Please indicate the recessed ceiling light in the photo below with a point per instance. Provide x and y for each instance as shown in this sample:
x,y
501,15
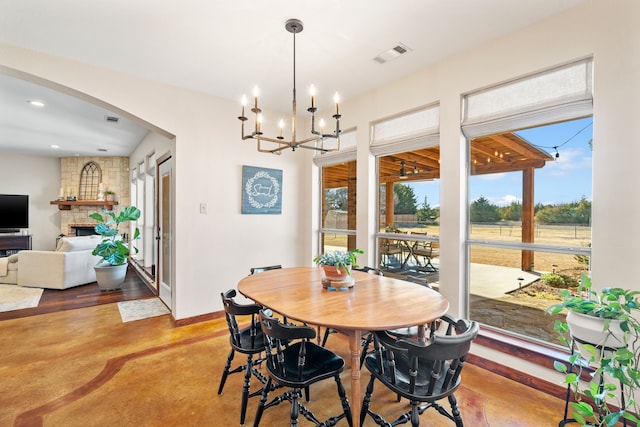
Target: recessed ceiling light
x,y
36,103
55,147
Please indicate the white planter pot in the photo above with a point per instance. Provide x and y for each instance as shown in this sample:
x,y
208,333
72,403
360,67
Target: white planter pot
x,y
110,277
590,329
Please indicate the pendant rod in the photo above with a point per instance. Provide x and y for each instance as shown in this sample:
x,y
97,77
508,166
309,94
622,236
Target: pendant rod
x,y
294,104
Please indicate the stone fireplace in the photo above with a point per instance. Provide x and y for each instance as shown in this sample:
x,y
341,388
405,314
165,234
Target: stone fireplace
x,y
82,229
75,221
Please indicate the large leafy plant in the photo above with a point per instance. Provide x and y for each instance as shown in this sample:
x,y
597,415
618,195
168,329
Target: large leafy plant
x,y
111,248
339,259
611,368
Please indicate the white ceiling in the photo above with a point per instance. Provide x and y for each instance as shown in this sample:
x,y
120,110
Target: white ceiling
x,y
224,48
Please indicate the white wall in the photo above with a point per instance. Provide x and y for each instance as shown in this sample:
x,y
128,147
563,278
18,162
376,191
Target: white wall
x,y
39,177
213,251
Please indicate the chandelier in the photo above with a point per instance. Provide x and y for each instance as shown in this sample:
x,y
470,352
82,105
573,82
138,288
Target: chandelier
x,y
313,142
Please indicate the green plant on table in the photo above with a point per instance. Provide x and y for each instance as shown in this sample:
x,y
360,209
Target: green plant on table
x,y
111,248
339,259
610,367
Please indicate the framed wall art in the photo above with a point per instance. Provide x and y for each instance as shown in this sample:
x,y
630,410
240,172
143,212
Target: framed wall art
x,y
261,190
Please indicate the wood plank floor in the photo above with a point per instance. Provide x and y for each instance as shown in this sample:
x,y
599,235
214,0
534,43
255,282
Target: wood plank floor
x,y
88,295
85,367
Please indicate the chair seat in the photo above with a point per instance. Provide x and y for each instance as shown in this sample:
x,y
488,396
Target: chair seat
x,y
249,344
320,363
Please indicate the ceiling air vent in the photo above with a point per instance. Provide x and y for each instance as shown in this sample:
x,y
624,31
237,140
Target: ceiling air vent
x,y
111,119
392,53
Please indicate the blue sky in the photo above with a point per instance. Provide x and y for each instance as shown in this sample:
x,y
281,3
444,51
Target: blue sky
x,y
564,180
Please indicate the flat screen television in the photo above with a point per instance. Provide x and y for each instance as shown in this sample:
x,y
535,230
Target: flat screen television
x,y
14,212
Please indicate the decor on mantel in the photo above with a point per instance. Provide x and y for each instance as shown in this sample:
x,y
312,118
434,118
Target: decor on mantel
x,y
315,142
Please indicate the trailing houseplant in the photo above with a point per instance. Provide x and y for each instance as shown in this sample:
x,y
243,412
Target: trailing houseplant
x,y
614,357
340,261
112,269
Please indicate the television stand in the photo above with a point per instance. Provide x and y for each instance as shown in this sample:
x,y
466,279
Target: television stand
x,y
13,244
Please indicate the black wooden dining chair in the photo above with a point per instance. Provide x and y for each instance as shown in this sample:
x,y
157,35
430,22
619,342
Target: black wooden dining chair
x,y
255,270
295,362
248,340
424,372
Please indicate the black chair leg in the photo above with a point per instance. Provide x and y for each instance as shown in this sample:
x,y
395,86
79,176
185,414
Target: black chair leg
x,y
246,388
367,400
263,402
345,402
225,372
326,336
455,411
295,408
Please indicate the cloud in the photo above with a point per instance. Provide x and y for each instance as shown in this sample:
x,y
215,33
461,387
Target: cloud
x,y
569,161
505,200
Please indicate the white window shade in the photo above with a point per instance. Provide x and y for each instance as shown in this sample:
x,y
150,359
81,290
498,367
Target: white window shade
x,y
561,93
347,152
412,125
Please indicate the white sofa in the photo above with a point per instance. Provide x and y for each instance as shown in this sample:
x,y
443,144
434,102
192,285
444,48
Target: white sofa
x,y
9,269
71,264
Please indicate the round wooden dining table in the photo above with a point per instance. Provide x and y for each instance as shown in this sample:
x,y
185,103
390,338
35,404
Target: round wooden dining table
x,y
374,303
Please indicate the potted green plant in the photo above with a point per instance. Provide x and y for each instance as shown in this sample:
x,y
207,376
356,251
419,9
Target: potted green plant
x,y
109,195
605,327
337,265
112,269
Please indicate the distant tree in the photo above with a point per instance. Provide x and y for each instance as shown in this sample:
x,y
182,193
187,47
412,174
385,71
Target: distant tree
x,y
555,214
513,212
583,211
336,198
404,200
483,211
426,214
566,213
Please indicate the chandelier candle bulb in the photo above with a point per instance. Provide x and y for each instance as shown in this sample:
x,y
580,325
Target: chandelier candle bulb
x,y
312,92
336,99
259,124
243,102
256,92
281,126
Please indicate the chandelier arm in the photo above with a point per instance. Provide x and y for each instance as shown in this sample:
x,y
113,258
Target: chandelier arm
x,y
323,150
267,150
274,140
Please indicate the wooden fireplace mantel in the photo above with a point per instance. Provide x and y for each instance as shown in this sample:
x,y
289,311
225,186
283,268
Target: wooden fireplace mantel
x,y
65,205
